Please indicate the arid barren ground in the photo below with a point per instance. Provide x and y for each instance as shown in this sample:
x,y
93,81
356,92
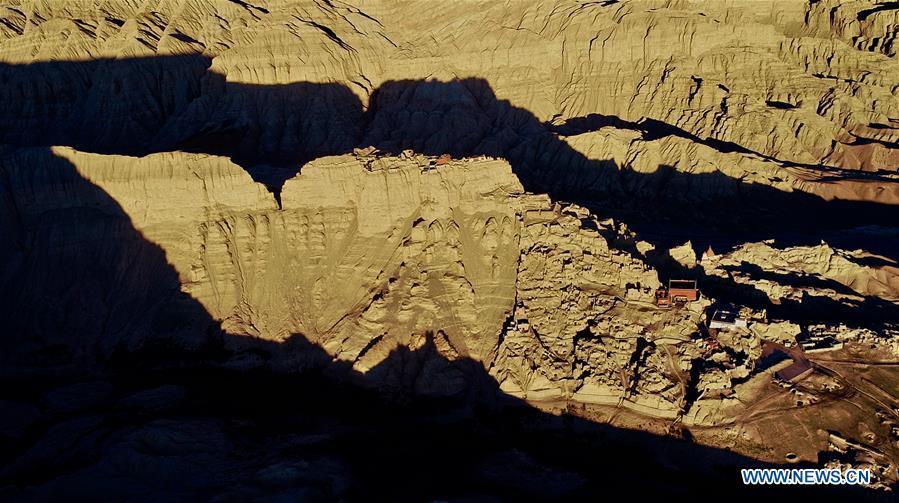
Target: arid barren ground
x,y
424,250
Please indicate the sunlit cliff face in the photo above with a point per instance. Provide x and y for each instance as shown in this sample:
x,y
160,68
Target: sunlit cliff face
x,y
465,198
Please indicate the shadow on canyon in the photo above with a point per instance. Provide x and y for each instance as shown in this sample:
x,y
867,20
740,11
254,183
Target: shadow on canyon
x,y
185,408
145,105
843,306
88,299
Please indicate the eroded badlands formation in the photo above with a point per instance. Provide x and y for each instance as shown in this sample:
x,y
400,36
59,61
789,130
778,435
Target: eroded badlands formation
x,y
264,186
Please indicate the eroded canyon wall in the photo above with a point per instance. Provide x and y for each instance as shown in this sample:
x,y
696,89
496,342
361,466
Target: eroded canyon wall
x,y
170,169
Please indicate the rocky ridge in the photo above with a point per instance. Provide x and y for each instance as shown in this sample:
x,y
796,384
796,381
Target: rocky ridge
x,y
266,182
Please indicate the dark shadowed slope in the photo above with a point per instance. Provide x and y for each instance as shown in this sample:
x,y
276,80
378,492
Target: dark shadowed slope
x,y
137,106
169,415
156,408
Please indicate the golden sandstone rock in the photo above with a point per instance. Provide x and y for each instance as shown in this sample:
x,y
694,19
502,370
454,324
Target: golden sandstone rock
x,y
504,184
